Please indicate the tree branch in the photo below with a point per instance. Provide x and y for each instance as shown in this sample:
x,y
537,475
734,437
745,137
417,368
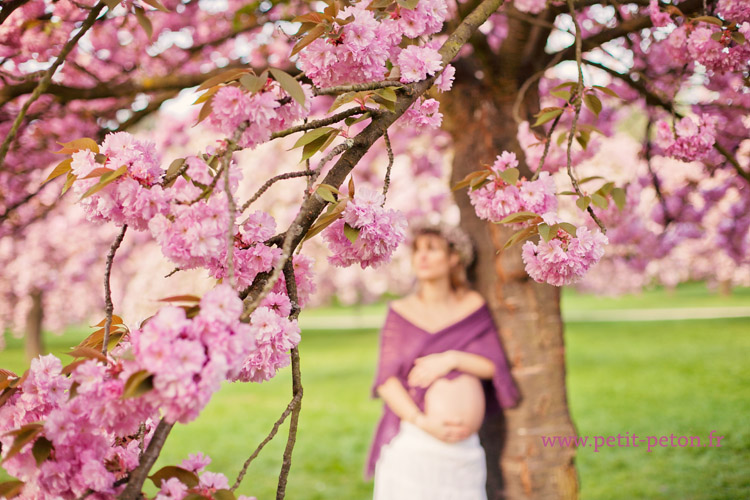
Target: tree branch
x,y
138,476
622,29
107,290
41,87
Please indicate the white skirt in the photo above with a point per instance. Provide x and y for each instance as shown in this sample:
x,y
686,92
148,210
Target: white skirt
x,y
417,466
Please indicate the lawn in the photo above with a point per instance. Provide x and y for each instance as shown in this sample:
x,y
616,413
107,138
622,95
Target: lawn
x,y
651,378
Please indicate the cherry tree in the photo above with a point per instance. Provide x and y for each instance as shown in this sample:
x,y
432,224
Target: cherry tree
x,y
528,92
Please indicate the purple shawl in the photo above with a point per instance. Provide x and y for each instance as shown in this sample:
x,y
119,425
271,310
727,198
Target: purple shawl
x,y
401,342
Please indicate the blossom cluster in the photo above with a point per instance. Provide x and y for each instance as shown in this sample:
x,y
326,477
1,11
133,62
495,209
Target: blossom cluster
x,y
564,258
90,430
274,335
357,52
530,6
134,197
688,44
380,231
737,11
691,140
265,112
190,357
209,483
497,199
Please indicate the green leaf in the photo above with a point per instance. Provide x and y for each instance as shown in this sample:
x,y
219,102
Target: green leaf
x,y
78,145
710,20
105,180
618,194
519,217
41,450
11,489
388,93
313,147
186,477
138,383
568,227
23,436
567,192
144,21
224,495
408,4
312,135
224,77
547,116
599,200
562,94
584,202
61,168
68,182
593,103
326,194
356,119
384,103
313,35
342,99
606,188
738,37
716,37
565,84
607,91
544,231
510,176
111,3
351,233
379,4
520,235
590,178
289,84
156,4
479,185
252,83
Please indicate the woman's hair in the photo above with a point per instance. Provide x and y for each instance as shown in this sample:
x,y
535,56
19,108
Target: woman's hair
x,y
458,242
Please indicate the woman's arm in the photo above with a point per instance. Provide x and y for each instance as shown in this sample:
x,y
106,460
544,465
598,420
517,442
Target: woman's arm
x,y
429,368
398,400
394,394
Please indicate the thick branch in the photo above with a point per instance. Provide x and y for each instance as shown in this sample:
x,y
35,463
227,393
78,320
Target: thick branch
x,y
8,8
622,29
138,476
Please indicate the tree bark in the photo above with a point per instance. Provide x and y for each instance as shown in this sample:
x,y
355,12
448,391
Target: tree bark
x,y
527,314
34,341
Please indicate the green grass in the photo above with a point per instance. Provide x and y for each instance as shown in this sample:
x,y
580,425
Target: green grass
x,y
651,378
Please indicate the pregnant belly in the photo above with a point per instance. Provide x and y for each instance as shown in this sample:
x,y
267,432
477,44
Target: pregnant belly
x,y
461,397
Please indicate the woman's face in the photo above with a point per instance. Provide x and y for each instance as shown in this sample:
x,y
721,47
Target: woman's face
x,y
430,258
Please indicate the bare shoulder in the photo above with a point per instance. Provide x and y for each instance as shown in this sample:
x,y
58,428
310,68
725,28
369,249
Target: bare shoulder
x,y
473,299
403,303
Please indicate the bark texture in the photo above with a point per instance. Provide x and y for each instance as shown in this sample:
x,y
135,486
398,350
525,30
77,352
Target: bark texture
x,y
34,340
527,314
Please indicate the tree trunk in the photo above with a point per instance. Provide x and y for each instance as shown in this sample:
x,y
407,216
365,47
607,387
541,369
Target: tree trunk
x,y
527,314
34,341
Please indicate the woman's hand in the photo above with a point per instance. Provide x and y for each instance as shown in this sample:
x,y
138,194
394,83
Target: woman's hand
x,y
449,430
428,369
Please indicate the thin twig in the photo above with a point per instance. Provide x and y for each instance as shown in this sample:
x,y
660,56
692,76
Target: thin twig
x,y
295,400
271,181
286,464
107,291
547,142
251,303
389,150
654,178
578,103
232,208
47,79
323,122
359,87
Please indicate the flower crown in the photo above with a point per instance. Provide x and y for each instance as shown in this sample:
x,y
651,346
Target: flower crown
x,y
456,236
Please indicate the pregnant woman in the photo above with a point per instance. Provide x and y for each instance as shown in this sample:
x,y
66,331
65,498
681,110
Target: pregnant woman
x,y
440,371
